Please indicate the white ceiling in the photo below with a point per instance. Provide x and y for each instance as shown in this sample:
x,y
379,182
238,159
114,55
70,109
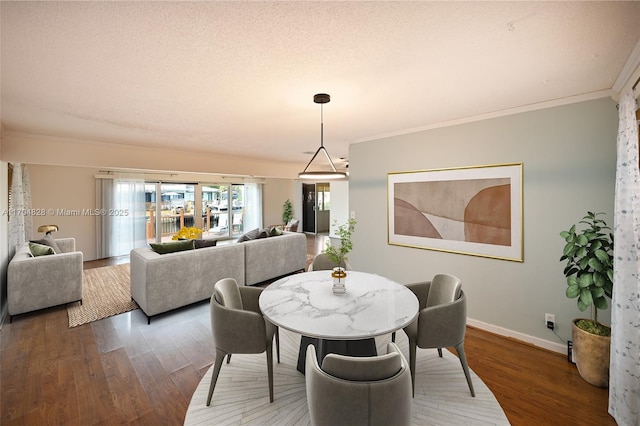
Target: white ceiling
x,y
238,78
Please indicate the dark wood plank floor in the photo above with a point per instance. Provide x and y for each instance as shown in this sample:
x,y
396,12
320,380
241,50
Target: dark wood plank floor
x,y
122,371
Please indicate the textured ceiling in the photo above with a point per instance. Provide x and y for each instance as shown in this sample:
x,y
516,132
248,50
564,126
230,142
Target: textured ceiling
x,y
239,77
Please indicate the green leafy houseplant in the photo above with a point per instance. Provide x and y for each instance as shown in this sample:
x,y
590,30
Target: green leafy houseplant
x,y
589,268
287,211
339,254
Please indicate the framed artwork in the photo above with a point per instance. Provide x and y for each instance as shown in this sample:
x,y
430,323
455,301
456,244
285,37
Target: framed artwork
x,y
474,210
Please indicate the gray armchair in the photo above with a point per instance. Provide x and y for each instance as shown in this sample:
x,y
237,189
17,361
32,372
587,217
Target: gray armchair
x,y
44,281
441,321
358,390
239,328
322,262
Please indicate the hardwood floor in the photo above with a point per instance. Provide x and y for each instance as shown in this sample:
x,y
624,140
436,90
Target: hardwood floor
x,y
122,371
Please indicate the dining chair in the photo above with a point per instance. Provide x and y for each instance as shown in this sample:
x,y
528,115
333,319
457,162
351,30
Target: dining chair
x,y
239,327
441,322
358,390
321,262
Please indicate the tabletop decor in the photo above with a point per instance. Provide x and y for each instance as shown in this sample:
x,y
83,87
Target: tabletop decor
x,y
473,210
339,254
187,233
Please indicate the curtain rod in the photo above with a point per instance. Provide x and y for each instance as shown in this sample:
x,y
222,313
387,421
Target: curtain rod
x,y
111,172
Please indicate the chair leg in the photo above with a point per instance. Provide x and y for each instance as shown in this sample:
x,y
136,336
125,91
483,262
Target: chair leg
x,y
228,358
270,370
465,367
278,343
412,365
216,371
393,337
440,352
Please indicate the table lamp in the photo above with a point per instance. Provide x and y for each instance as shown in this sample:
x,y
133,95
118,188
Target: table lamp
x,y
48,229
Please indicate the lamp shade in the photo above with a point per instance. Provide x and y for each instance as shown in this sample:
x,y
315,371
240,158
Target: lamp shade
x,y
48,228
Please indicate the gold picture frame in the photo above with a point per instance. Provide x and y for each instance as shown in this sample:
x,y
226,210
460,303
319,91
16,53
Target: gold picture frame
x,y
473,210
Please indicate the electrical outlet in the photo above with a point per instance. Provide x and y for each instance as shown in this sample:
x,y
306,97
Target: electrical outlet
x,y
550,321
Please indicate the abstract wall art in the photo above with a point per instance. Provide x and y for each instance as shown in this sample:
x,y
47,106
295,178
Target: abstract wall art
x,y
474,210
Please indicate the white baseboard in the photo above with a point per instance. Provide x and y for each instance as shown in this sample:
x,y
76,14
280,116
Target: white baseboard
x,y
535,341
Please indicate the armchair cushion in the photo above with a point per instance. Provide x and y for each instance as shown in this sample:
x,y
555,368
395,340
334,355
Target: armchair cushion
x,y
227,293
363,369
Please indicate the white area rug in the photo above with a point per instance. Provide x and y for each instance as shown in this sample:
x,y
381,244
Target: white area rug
x,y
242,392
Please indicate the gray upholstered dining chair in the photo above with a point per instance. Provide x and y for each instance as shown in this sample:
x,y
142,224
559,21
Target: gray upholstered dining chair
x,y
322,262
358,390
239,328
441,322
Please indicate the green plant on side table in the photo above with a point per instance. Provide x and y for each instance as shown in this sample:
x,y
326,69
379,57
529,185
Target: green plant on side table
x,y
287,211
588,253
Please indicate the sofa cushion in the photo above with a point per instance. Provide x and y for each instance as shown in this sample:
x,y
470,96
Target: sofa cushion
x,y
48,240
40,249
205,243
248,236
172,246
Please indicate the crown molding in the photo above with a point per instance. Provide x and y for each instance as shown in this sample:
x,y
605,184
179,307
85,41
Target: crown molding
x,y
629,72
496,114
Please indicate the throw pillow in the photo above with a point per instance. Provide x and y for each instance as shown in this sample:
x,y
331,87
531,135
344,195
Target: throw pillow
x,y
264,233
172,246
40,249
251,235
275,231
205,243
48,240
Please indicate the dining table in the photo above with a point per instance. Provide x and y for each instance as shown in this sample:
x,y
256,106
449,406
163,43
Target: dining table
x,y
347,323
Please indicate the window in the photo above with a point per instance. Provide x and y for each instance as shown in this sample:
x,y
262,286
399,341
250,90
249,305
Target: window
x,y
323,197
223,210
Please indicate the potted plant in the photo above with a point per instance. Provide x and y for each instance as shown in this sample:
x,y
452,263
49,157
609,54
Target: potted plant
x,y
588,253
338,254
287,211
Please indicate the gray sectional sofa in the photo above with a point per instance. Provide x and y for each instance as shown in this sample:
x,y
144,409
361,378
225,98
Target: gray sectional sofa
x,y
41,282
163,282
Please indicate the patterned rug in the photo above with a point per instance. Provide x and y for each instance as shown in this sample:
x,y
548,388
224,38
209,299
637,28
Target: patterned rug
x,y
106,292
241,396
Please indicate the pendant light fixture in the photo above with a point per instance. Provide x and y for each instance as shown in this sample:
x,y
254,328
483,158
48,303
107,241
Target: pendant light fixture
x,y
321,98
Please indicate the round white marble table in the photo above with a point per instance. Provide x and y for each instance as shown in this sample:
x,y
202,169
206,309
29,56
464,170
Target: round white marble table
x,y
372,306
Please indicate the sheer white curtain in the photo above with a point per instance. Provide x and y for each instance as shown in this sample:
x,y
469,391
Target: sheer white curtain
x,y
624,381
253,206
20,222
122,224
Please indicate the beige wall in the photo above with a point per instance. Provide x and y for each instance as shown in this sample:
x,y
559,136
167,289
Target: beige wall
x,y
275,193
568,155
58,190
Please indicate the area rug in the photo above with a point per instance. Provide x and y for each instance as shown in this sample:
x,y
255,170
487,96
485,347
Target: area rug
x,y
241,395
106,292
